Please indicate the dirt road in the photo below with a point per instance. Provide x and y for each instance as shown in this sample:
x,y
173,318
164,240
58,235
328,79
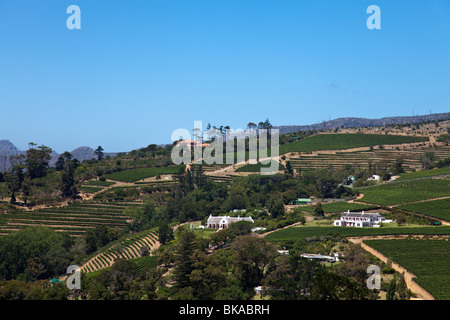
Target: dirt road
x,y
412,285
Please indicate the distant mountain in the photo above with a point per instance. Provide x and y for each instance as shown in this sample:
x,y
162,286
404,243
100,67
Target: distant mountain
x,y
6,145
83,153
7,149
362,122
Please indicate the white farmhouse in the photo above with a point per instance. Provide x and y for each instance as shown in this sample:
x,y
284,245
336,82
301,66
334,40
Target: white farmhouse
x,y
359,219
222,222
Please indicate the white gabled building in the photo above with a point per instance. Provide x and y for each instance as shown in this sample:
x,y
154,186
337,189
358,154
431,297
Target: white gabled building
x,y
222,222
359,219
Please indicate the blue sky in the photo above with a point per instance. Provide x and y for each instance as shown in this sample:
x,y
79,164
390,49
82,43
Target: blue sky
x,y
137,70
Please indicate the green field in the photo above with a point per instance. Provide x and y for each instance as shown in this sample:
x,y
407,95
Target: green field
x,y
309,231
424,173
436,208
257,167
429,260
133,175
346,141
407,191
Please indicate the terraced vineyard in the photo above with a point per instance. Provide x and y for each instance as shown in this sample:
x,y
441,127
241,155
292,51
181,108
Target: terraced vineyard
x,y
75,219
412,158
346,141
128,248
429,260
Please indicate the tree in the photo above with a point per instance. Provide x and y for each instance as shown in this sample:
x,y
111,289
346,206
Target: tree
x,y
277,209
37,161
15,176
251,126
267,124
99,153
398,166
252,257
46,250
427,160
241,228
184,263
67,183
165,233
61,162
318,209
152,148
288,168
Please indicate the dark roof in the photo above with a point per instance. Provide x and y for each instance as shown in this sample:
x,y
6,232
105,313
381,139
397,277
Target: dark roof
x,y
361,214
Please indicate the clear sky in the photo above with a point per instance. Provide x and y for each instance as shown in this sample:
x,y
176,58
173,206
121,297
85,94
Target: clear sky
x,y
139,69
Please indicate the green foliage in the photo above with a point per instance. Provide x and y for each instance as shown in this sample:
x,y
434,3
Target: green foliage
x,y
34,253
37,161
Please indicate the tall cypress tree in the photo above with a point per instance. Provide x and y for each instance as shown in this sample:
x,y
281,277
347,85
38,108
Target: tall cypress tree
x,y
184,259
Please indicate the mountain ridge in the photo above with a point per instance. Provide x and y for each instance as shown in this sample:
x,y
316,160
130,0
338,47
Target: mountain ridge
x,y
356,122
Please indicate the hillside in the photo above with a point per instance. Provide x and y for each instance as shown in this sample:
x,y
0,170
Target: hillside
x,y
352,122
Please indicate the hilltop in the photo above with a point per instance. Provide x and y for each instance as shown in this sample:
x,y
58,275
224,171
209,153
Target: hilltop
x,y
352,122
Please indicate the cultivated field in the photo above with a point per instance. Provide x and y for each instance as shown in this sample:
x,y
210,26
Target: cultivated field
x,y
437,208
133,175
128,248
74,219
411,156
424,174
346,141
408,191
429,260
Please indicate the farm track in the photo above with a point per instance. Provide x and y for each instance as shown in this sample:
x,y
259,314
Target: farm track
x,y
411,284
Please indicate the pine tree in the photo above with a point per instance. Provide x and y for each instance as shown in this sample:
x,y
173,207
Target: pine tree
x,y
184,259
99,153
